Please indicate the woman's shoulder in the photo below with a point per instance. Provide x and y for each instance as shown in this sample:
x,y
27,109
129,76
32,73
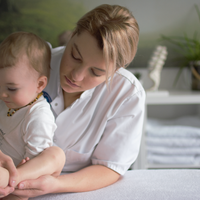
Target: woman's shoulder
x,y
126,73
56,55
125,79
57,51
123,86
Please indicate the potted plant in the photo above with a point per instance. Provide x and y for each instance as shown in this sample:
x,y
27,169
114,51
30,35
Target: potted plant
x,y
189,49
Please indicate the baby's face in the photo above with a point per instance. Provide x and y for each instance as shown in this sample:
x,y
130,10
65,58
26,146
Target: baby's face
x,y
18,84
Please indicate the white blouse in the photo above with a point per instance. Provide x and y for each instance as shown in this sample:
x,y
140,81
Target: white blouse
x,y
102,127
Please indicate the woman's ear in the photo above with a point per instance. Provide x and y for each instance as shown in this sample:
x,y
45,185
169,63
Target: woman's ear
x,y
42,83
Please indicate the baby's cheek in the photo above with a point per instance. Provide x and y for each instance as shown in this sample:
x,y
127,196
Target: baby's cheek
x,y
19,101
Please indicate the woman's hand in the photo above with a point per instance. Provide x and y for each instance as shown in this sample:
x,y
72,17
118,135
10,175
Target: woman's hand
x,y
6,191
13,197
37,187
7,163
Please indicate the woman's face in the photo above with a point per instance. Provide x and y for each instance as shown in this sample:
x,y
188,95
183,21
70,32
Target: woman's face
x,y
82,65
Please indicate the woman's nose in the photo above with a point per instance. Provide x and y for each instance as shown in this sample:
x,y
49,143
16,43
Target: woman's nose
x,y
78,73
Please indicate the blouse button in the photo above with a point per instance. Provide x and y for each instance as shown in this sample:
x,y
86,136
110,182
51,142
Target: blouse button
x,y
56,104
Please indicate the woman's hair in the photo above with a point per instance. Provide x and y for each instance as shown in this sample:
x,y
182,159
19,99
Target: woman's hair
x,y
19,43
116,31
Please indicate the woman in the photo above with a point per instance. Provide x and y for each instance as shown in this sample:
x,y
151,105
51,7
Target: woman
x,y
98,105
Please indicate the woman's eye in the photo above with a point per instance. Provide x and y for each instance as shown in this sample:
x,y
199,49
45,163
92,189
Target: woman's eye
x,y
12,89
95,73
74,57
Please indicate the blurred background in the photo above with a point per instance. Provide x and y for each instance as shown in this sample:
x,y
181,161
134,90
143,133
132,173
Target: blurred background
x,y
51,18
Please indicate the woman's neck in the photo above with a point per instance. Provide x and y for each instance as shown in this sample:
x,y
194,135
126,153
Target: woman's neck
x,y
69,98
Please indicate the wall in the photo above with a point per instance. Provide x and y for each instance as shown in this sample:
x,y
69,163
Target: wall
x,y
156,17
167,76
48,18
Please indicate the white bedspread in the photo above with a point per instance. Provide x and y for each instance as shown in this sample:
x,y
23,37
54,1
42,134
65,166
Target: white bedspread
x,y
143,185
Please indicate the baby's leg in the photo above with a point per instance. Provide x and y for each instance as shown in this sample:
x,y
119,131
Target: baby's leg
x,y
4,177
50,161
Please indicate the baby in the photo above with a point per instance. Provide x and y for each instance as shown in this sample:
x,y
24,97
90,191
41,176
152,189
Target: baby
x,y
27,124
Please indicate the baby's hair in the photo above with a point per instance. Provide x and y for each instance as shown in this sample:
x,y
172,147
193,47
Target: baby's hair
x,y
116,31
19,43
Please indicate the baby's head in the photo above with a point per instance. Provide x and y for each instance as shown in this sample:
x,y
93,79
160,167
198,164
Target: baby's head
x,y
19,44
24,68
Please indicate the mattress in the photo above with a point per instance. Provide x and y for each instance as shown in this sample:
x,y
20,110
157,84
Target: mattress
x,y
165,184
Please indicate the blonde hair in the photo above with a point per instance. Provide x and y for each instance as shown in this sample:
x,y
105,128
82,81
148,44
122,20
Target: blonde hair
x,y
19,43
116,31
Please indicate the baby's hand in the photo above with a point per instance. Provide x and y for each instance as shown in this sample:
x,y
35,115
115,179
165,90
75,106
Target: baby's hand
x,y
23,161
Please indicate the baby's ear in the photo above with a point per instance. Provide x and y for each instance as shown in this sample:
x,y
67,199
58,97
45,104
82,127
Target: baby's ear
x,y
42,83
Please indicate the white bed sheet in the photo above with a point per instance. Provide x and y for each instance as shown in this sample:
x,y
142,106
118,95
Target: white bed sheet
x,y
183,184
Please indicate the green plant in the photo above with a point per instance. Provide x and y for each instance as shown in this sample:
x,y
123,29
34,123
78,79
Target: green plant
x,y
188,48
46,18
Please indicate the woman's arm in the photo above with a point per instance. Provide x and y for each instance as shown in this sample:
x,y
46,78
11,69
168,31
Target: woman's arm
x,y
87,179
90,178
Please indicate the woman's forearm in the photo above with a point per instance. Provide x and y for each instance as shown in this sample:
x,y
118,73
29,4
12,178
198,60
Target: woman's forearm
x,y
87,179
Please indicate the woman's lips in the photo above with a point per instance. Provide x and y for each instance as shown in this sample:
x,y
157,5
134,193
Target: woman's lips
x,y
70,83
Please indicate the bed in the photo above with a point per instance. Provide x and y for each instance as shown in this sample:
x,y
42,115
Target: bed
x,y
173,184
